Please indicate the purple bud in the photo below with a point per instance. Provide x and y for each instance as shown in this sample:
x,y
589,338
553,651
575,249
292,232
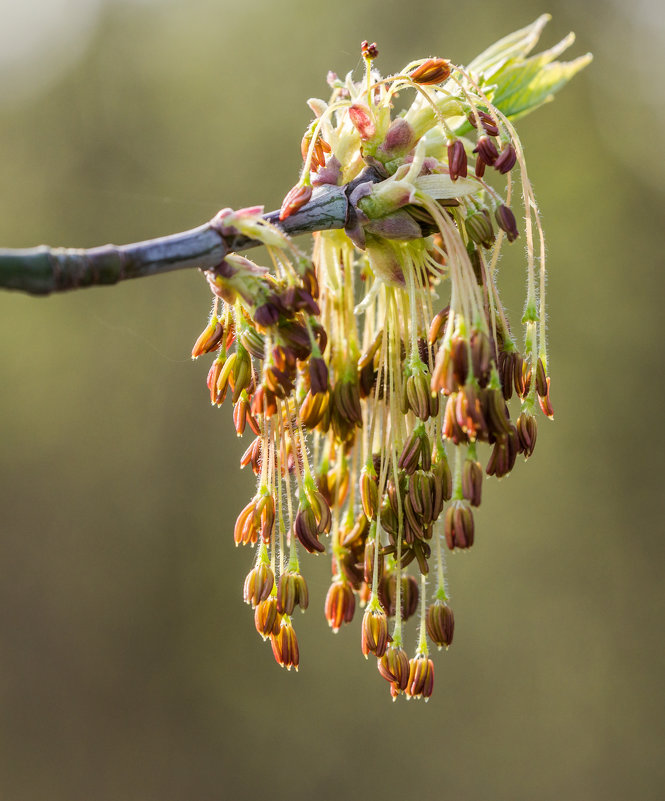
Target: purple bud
x,y
506,221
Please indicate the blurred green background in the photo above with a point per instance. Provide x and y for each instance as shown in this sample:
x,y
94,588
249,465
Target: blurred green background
x,y
129,665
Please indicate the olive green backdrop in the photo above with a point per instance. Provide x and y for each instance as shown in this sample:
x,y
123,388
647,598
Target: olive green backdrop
x,y
129,666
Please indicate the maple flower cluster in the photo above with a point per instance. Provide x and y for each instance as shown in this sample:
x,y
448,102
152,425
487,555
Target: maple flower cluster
x,y
378,374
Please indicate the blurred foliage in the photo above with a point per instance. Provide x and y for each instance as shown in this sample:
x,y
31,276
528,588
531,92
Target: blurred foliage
x,y
130,666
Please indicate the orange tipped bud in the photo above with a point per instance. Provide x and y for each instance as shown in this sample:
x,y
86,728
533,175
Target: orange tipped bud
x,y
421,677
374,632
285,645
295,199
340,604
440,623
432,71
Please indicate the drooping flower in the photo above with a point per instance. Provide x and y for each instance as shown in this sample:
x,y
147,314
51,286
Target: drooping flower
x,y
368,369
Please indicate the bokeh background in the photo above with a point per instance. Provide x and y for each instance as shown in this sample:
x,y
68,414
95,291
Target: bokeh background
x,y
129,665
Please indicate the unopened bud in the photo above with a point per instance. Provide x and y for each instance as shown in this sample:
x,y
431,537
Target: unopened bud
x,y
457,162
432,71
421,677
505,219
440,623
340,604
506,159
295,199
285,645
459,528
374,632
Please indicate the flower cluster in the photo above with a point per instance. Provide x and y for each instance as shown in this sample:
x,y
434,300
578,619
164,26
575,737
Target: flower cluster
x,y
374,374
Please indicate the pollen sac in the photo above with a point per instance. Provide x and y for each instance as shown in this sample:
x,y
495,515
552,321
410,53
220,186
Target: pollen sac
x,y
457,161
421,678
505,219
440,623
307,530
394,667
486,150
459,528
266,617
527,431
432,71
285,645
209,339
472,481
369,491
291,592
374,632
258,584
486,121
506,159
340,604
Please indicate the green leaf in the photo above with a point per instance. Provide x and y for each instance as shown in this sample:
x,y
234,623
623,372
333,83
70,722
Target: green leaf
x,y
521,86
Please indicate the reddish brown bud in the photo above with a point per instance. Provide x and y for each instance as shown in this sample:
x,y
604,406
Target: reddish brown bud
x,y
340,604
421,677
362,121
346,402
394,667
486,150
209,338
246,529
472,481
295,199
440,623
504,453
486,121
409,594
416,451
213,377
258,584
543,389
546,403
459,528
266,617
266,314
307,531
506,221
318,374
285,645
443,474
313,408
481,356
506,159
291,591
374,632
469,413
438,324
432,71
496,413
457,162
527,430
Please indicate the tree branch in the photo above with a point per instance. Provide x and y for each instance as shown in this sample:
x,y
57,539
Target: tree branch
x,y
43,270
